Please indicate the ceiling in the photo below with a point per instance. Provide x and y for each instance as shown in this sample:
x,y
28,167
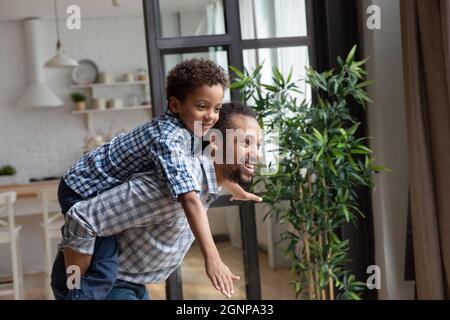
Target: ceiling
x,y
21,9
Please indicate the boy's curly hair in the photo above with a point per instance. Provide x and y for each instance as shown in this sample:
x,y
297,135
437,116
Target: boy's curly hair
x,y
191,74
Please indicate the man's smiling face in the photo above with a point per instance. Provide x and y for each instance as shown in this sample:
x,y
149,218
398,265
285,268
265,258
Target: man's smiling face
x,y
246,149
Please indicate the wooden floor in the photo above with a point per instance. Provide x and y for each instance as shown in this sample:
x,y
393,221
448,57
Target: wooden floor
x,y
196,285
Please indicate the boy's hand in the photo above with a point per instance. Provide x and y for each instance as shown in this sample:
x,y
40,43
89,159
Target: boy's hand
x,y
221,276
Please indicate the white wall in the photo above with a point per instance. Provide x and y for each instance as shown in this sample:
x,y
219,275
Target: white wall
x,y
45,142
387,124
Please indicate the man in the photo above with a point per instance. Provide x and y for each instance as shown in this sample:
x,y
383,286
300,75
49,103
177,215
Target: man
x,y
153,234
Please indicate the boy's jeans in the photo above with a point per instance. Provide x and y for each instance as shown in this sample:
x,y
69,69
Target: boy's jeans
x,y
102,272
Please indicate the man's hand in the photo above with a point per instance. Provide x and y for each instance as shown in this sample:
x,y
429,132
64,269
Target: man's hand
x,y
72,258
221,276
238,193
245,196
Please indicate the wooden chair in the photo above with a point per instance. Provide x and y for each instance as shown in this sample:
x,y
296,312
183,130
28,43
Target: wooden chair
x,y
51,225
9,233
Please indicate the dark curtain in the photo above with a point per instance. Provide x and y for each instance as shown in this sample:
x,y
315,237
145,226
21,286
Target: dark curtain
x,y
425,33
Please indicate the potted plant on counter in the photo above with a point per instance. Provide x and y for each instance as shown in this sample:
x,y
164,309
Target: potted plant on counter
x,y
80,101
7,175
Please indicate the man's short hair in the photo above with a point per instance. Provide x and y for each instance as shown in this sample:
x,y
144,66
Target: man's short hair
x,y
228,111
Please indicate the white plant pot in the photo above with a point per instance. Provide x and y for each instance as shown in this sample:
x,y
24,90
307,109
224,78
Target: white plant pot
x,y
99,104
5,180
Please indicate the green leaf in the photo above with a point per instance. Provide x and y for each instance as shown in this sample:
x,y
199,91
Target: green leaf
x,y
352,163
353,129
360,63
236,85
359,151
346,213
321,102
237,71
363,147
354,296
365,83
358,178
331,166
343,132
366,98
278,77
378,168
351,55
305,139
319,154
335,87
257,70
289,77
357,210
270,88
318,135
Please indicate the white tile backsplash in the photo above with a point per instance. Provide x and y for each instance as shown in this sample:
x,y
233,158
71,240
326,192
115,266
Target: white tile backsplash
x,y
45,142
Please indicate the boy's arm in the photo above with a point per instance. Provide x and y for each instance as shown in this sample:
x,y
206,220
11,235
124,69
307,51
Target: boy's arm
x,y
171,157
238,193
219,274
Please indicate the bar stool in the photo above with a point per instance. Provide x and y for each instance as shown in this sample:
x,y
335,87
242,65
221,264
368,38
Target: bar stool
x,y
9,233
51,224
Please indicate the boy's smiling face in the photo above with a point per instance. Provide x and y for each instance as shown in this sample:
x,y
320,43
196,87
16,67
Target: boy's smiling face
x,y
201,106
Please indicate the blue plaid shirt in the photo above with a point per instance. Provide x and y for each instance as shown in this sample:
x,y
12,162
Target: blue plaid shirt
x,y
152,231
163,143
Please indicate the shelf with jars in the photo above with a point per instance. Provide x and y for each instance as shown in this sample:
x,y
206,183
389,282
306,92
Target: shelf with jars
x,y
107,95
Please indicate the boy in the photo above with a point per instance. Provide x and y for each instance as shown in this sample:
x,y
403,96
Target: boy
x,y
195,91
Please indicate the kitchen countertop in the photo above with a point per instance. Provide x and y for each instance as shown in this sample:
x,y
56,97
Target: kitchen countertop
x,y
29,190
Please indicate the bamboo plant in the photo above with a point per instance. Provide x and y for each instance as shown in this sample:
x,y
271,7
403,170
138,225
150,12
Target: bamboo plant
x,y
321,165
